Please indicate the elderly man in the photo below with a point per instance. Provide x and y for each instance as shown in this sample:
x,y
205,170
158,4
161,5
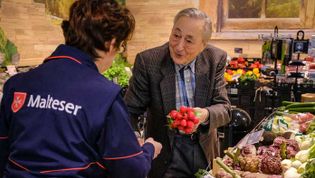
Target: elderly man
x,y
185,71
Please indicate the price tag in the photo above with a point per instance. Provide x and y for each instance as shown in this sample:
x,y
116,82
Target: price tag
x,y
255,137
234,91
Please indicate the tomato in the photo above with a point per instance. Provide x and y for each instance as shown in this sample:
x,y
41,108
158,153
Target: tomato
x,y
240,60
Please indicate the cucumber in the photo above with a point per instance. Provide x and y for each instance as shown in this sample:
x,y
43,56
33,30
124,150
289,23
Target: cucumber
x,y
300,105
303,109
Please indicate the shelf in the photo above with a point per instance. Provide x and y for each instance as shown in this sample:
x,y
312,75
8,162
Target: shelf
x,y
296,63
296,75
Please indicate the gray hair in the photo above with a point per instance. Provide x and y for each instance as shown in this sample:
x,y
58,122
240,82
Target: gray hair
x,y
197,14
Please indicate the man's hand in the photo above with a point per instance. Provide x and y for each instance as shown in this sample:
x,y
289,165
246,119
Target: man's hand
x,y
203,116
139,138
157,146
141,141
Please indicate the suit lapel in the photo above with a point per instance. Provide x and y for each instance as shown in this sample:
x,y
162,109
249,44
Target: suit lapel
x,y
167,84
202,82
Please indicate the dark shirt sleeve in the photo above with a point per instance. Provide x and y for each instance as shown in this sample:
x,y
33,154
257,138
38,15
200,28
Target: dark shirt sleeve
x,y
4,130
122,154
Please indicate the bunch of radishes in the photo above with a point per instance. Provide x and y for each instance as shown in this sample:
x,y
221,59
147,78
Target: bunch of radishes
x,y
185,119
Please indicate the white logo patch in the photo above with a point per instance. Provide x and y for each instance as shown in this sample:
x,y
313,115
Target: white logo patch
x,y
54,104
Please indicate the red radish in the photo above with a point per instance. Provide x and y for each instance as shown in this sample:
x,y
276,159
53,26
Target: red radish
x,y
196,121
182,109
190,124
188,130
183,119
185,116
179,116
173,113
183,123
191,115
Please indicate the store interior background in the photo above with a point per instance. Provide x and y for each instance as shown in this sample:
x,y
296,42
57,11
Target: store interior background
x,y
34,27
36,32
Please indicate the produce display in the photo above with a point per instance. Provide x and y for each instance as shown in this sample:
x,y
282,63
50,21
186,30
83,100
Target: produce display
x,y
241,63
282,145
240,69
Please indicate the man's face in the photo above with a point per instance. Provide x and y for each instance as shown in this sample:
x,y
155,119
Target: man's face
x,y
186,40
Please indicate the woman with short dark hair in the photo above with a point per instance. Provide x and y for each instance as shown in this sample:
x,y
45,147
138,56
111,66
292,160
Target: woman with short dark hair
x,y
63,118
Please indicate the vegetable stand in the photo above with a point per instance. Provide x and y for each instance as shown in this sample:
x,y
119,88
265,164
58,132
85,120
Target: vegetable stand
x,y
281,145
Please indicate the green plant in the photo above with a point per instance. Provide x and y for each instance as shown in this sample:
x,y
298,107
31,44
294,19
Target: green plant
x,y
10,50
7,47
117,72
3,40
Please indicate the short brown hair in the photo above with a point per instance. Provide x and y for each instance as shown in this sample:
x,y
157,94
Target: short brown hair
x,y
93,22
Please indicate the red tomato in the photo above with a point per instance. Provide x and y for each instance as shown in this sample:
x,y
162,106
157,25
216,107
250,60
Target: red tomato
x,y
240,60
253,66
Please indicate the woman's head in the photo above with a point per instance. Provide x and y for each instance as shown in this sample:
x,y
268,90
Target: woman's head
x,y
94,24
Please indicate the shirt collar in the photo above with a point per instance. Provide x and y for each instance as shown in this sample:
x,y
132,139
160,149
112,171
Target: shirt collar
x,y
84,58
191,66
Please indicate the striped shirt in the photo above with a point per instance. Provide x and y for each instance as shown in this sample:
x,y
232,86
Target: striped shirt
x,y
185,85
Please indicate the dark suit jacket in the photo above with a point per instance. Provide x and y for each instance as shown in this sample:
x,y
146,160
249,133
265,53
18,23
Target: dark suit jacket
x,y
152,89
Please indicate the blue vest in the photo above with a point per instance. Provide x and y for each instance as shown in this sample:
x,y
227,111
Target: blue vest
x,y
64,119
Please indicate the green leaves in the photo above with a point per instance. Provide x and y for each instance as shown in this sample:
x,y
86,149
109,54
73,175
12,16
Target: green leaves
x,y
7,48
309,169
117,72
201,173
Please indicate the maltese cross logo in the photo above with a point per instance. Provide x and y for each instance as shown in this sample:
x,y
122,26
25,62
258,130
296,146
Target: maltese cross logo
x,y
18,101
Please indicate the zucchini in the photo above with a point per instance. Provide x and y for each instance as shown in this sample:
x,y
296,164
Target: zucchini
x,y
303,109
300,105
